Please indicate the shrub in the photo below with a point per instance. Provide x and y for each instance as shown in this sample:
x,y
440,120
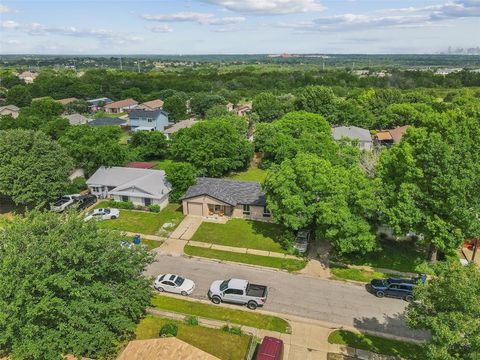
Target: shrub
x,y
128,205
154,208
77,185
168,330
232,329
191,320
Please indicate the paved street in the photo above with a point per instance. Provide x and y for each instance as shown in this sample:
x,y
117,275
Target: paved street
x,y
325,300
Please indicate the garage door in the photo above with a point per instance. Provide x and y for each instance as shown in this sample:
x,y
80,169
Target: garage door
x,y
195,209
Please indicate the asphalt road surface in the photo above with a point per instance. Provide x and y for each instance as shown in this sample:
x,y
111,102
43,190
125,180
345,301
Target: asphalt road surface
x,y
325,300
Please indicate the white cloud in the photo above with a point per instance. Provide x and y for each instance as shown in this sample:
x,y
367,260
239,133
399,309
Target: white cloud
x,y
268,6
200,18
8,25
9,41
5,9
403,17
161,28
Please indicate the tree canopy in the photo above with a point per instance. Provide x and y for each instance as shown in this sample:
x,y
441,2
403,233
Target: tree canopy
x,y
149,145
448,306
181,176
67,287
213,147
33,168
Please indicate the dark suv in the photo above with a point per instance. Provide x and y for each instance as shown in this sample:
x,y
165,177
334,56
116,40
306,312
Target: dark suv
x,y
396,288
85,201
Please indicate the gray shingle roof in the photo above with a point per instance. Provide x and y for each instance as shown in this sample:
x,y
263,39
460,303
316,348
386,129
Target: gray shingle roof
x,y
76,119
141,113
106,121
352,132
232,192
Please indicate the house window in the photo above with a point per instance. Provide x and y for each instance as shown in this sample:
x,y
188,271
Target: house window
x,y
149,120
124,198
266,212
147,201
246,209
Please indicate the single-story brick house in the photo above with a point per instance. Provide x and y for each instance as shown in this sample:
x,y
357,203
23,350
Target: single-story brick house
x,y
224,197
363,136
120,106
142,187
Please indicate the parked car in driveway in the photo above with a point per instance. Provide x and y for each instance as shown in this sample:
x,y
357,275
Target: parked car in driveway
x,y
85,201
238,291
270,349
64,202
103,214
174,284
396,288
301,241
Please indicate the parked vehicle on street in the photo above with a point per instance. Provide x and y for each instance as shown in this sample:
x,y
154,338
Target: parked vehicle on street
x,y
238,291
396,288
64,202
301,241
270,349
175,284
85,201
103,214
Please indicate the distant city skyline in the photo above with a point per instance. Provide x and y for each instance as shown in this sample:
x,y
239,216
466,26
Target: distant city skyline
x,y
237,27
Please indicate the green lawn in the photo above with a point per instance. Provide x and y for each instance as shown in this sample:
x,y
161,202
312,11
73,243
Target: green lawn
x,y
143,222
242,233
251,174
377,344
344,273
224,345
267,261
162,164
395,256
240,317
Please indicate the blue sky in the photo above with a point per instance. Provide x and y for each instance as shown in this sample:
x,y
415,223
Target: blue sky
x,y
237,26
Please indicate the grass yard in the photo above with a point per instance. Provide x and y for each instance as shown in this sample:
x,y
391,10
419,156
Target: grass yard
x,y
251,174
242,233
240,317
267,261
344,273
224,345
395,256
143,222
377,344
162,164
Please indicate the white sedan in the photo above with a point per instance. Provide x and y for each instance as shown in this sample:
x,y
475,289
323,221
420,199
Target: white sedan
x,y
102,214
174,284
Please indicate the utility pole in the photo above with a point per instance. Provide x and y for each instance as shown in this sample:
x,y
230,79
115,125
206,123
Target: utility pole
x,y
121,66
138,66
475,250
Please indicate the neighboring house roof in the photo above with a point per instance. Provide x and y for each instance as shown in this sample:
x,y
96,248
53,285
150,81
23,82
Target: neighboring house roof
x,y
383,136
76,119
102,99
398,133
28,74
141,165
121,104
232,192
67,100
106,121
9,107
142,113
128,181
179,125
352,132
169,348
152,104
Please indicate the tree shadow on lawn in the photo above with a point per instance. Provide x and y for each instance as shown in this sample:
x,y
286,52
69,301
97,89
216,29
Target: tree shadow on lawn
x,y
276,232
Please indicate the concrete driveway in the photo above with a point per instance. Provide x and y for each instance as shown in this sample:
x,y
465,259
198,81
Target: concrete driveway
x,y
325,300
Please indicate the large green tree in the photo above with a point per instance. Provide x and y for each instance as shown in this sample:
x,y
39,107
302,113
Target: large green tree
x,y
317,99
92,147
268,107
431,181
149,145
19,95
214,147
181,176
176,107
448,306
67,287
338,202
33,168
201,103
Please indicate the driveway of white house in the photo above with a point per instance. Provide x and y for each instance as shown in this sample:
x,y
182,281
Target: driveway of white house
x,y
326,300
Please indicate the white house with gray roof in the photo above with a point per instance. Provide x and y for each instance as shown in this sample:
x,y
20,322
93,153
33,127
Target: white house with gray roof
x,y
363,136
223,197
142,187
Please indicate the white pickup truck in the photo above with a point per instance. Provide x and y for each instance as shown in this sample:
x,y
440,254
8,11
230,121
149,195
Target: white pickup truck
x,y
238,291
64,202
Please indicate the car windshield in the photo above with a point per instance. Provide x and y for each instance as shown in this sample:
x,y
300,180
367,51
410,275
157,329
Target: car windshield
x,y
179,280
161,278
107,211
224,285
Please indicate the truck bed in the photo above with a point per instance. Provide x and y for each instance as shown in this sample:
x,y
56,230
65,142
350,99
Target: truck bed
x,y
256,290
